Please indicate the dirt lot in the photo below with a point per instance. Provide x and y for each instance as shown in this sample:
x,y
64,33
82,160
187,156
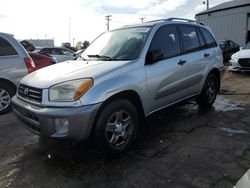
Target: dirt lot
x,y
179,147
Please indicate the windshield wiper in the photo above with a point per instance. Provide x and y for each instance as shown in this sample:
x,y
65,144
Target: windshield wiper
x,y
103,57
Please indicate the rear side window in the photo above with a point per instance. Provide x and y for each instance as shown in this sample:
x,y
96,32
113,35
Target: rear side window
x,y
166,40
201,39
190,38
209,39
6,48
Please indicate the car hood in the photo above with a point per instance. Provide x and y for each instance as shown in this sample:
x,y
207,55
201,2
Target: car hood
x,y
242,54
69,70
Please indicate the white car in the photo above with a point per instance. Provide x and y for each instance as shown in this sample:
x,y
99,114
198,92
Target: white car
x,y
240,61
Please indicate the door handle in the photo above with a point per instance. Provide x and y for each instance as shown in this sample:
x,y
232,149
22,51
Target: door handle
x,y
182,62
206,55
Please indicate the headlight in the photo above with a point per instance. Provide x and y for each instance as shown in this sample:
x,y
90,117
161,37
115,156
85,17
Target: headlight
x,y
234,58
70,91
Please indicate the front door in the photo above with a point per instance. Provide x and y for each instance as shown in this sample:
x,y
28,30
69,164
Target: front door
x,y
166,76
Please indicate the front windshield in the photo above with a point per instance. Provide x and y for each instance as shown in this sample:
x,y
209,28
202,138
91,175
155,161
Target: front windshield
x,y
247,46
122,44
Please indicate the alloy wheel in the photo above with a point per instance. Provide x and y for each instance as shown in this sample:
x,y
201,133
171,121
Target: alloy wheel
x,y
119,129
4,99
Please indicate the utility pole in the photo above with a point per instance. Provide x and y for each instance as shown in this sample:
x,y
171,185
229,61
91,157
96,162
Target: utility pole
x,y
206,4
108,18
142,19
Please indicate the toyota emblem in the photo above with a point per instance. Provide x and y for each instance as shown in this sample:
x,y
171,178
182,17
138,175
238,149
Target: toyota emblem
x,y
26,91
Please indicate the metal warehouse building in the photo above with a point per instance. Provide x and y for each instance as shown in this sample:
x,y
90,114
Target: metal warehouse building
x,y
229,20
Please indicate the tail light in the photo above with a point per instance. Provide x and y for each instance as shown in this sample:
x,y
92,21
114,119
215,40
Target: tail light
x,y
29,64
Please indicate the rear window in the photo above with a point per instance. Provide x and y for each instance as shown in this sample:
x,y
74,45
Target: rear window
x,y
209,39
190,38
6,48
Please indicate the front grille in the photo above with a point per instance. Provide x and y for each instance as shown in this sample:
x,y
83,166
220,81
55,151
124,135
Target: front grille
x,y
30,93
244,62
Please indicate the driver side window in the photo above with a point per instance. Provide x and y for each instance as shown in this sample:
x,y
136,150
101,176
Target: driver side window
x,y
166,42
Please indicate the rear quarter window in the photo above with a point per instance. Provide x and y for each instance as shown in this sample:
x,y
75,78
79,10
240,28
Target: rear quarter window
x,y
209,39
6,48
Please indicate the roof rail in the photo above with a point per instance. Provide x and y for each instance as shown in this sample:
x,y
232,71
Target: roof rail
x,y
183,19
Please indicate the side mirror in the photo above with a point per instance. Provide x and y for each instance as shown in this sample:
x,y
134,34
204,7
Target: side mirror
x,y
154,56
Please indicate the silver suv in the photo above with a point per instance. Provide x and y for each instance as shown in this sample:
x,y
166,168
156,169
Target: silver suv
x,y
15,63
124,75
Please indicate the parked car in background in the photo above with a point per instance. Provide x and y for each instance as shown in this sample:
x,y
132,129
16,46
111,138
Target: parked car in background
x,y
60,54
15,63
240,61
122,77
228,47
79,53
28,46
42,60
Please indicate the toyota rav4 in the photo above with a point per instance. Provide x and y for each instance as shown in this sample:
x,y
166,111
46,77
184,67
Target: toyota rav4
x,y
124,75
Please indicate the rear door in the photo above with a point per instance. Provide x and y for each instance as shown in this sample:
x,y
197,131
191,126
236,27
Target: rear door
x,y
201,54
166,78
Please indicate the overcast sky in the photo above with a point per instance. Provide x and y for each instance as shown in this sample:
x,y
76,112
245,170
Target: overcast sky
x,y
33,19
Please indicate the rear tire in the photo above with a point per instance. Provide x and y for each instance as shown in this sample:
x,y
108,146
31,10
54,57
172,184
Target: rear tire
x,y
116,128
209,92
6,92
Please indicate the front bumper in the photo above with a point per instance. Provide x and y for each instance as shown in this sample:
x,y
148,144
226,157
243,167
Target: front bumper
x,y
42,120
235,66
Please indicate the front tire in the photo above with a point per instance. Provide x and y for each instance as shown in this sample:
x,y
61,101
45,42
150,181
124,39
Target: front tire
x,y
209,92
116,128
6,92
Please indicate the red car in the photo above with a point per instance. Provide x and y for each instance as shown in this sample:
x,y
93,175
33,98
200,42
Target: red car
x,y
41,60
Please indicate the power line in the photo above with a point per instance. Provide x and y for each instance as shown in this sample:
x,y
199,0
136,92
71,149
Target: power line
x,y
108,18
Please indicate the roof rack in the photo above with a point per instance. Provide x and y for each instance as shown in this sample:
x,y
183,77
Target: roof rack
x,y
183,19
178,19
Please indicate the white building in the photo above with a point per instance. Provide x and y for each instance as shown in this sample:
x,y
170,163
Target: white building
x,y
229,20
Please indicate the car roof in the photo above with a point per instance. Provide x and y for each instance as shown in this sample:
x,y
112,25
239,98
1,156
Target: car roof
x,y
6,34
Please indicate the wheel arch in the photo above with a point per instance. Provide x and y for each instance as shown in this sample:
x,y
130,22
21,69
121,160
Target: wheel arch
x,y
130,95
2,80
